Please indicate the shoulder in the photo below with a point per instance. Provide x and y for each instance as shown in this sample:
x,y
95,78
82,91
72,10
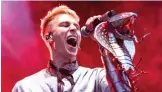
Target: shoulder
x,y
99,72
98,69
41,75
28,82
87,68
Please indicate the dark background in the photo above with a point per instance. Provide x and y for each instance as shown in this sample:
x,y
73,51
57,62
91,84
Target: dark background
x,y
24,53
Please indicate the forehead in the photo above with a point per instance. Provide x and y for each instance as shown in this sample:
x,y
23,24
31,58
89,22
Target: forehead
x,y
64,17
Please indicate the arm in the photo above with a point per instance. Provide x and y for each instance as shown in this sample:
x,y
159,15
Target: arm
x,y
117,78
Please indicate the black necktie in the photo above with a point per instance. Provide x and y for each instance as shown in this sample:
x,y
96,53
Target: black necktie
x,y
67,70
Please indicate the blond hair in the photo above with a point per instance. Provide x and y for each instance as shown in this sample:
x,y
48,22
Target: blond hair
x,y
62,9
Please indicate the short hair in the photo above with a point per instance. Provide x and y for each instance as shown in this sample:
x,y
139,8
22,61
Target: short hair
x,y
62,9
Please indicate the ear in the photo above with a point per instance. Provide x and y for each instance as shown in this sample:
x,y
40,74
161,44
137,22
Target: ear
x,y
49,38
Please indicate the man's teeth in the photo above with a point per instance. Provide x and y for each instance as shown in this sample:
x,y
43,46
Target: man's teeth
x,y
72,37
78,46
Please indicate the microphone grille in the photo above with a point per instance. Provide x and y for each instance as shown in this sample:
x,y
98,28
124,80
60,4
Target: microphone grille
x,y
84,31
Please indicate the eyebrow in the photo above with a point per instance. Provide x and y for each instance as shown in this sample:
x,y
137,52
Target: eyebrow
x,y
76,24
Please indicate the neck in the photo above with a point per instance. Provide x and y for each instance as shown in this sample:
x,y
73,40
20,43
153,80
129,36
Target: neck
x,y
59,60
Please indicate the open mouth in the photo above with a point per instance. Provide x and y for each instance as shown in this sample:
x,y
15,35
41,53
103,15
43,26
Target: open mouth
x,y
127,27
72,41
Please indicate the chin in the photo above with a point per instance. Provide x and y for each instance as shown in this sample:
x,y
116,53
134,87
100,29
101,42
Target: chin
x,y
71,51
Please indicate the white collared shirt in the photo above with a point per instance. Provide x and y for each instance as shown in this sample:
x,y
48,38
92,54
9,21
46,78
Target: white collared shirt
x,y
85,79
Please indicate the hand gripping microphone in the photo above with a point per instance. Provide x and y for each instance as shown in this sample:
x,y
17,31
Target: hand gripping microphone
x,y
85,32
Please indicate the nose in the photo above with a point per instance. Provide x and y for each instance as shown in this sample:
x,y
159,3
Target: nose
x,y
73,28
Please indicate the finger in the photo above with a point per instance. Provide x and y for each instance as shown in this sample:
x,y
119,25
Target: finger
x,y
93,19
97,16
90,22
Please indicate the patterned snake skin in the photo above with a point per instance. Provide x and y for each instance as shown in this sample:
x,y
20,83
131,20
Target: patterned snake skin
x,y
110,34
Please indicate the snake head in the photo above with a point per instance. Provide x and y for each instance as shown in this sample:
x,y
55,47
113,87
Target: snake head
x,y
123,25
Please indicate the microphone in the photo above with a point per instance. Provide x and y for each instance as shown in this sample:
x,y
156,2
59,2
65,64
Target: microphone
x,y
85,32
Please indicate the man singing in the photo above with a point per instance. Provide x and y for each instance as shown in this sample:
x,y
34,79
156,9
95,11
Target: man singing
x,y
60,31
